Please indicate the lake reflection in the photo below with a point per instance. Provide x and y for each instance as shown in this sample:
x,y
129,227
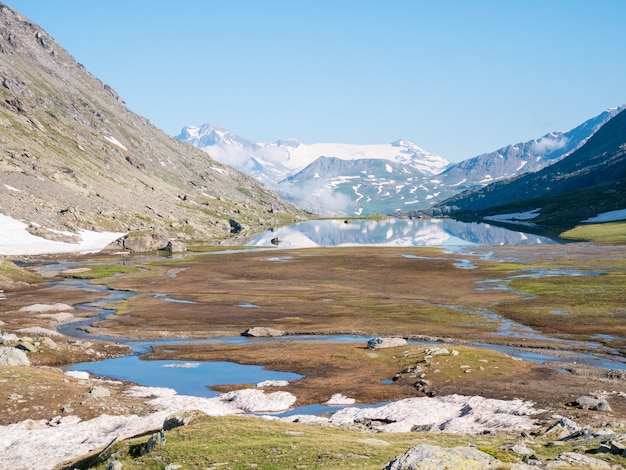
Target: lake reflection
x,y
394,232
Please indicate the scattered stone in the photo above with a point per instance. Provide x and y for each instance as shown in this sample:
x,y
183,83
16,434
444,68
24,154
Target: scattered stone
x,y
339,400
13,357
173,466
262,332
425,456
382,343
115,465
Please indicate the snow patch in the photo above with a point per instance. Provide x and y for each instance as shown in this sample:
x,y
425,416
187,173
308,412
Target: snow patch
x,y
608,216
114,141
515,216
17,241
11,188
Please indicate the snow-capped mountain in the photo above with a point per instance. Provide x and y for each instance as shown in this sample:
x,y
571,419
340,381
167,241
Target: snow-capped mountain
x,y
349,179
524,157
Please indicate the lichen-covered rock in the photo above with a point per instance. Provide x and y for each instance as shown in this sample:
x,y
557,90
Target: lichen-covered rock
x,y
381,343
427,457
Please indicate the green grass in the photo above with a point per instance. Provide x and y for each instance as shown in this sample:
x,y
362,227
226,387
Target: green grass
x,y
245,442
610,233
101,271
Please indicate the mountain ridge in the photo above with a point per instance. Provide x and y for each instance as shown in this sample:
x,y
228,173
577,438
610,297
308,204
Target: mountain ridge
x,y
75,157
589,181
419,181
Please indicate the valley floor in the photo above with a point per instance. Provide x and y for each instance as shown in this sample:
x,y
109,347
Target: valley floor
x,y
557,302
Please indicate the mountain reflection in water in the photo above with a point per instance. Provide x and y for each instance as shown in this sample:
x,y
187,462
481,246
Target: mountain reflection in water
x,y
394,232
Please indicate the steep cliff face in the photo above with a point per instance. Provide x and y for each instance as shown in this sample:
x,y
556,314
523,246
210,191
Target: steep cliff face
x,y
73,156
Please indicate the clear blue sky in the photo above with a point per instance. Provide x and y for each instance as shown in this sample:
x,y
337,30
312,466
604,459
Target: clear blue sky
x,y
456,77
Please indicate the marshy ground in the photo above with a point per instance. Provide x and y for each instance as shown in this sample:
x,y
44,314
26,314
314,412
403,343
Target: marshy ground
x,y
552,299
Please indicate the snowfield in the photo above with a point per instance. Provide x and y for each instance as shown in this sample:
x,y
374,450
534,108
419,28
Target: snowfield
x,y
17,241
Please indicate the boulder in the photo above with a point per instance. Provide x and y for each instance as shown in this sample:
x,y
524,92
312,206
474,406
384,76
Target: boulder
x,y
145,242
582,461
382,343
156,440
428,457
261,332
7,338
176,246
591,403
13,357
178,419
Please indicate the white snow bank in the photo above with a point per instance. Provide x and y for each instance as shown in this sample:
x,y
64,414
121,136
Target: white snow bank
x,y
608,216
15,240
452,413
515,216
43,445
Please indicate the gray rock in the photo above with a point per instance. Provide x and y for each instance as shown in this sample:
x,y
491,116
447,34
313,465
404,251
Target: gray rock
x,y
261,331
142,243
157,439
8,338
591,403
382,343
13,357
563,427
176,246
180,418
115,465
582,461
49,343
26,346
427,457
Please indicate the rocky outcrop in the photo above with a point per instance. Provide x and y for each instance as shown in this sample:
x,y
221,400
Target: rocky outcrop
x,y
425,456
145,242
382,343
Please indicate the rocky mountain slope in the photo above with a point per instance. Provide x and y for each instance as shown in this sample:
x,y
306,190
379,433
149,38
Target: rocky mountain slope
x,y
73,156
333,179
590,181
